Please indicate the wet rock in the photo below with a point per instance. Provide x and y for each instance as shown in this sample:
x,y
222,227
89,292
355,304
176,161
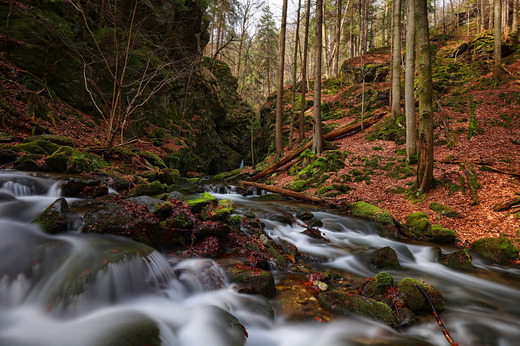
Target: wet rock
x,y
496,250
406,317
221,212
72,160
376,287
255,281
40,147
315,233
133,328
343,303
53,220
199,201
441,235
150,189
282,218
460,259
315,223
83,188
189,186
385,258
304,215
209,247
415,300
7,154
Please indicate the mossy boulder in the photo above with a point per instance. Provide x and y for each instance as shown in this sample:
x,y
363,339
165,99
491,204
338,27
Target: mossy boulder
x,y
169,176
496,250
255,281
441,235
415,300
460,259
154,159
199,201
40,146
149,189
385,258
343,303
72,160
373,213
443,210
133,328
377,286
223,210
28,162
419,224
7,154
53,220
59,140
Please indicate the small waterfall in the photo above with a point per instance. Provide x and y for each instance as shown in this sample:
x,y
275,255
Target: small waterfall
x,y
241,164
20,189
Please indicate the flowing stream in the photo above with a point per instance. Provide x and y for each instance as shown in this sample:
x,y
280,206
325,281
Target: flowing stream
x,y
87,289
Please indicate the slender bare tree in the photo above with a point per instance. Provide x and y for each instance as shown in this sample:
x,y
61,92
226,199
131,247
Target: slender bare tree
x,y
396,59
497,50
317,137
409,97
279,98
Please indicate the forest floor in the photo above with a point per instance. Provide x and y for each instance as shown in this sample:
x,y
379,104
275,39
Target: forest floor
x,y
458,158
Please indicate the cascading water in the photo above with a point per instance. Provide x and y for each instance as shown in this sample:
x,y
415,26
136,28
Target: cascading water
x,y
86,289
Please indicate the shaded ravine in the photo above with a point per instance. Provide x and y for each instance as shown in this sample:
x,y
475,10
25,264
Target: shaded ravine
x,y
88,289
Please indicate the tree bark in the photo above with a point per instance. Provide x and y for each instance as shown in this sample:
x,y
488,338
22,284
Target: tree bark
x,y
317,136
301,130
339,26
409,97
396,60
295,69
285,192
425,90
279,98
497,70
514,25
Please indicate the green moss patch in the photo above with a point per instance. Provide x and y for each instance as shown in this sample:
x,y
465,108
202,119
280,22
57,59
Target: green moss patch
x,y
415,299
372,213
496,250
443,210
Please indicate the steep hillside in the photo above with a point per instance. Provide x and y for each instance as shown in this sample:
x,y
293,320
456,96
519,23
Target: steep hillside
x,y
196,121
477,138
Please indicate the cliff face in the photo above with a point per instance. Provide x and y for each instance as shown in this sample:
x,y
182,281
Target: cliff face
x,y
198,110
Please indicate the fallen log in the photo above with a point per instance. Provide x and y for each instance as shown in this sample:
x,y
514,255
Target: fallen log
x,y
289,193
331,136
507,204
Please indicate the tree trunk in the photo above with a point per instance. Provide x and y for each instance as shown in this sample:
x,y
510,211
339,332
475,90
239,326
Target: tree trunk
x,y
514,25
317,136
425,90
279,98
295,69
339,26
396,60
497,67
301,129
409,97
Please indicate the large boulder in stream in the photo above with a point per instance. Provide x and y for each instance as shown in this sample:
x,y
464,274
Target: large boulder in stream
x,y
255,281
410,292
343,303
496,250
385,258
53,220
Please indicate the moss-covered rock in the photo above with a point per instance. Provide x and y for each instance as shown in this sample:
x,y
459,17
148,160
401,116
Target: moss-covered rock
x,y
149,189
199,201
83,188
133,328
443,210
385,258
72,160
415,300
169,176
255,281
59,140
441,235
28,162
53,220
153,159
377,286
372,213
496,250
342,303
460,259
419,224
41,147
